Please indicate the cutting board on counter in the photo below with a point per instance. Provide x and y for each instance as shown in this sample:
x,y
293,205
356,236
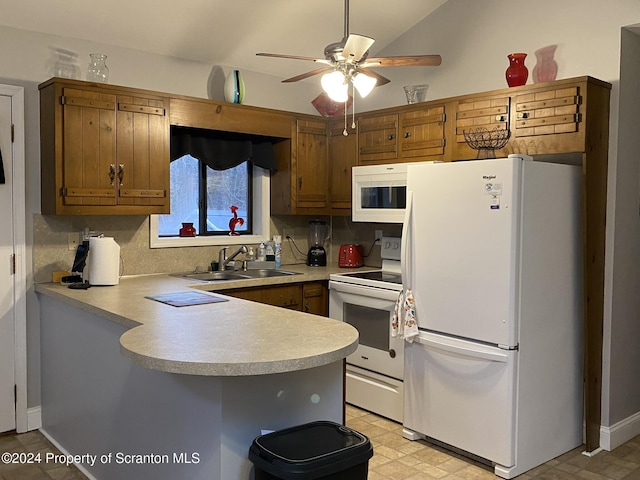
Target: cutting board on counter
x,y
186,299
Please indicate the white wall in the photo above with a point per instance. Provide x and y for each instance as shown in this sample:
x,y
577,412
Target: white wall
x,y
27,56
475,36
623,327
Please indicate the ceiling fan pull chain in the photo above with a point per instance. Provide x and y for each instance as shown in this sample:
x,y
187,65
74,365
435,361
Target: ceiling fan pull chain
x,y
353,111
344,132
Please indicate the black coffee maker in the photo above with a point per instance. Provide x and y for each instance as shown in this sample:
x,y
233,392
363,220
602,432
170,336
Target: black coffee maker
x,y
318,234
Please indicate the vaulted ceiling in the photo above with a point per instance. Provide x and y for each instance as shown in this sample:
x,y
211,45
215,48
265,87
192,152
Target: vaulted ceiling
x,y
222,32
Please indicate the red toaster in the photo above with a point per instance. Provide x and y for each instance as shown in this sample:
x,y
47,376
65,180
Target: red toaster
x,y
351,256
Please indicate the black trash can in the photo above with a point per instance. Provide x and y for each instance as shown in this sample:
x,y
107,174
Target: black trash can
x,y
319,450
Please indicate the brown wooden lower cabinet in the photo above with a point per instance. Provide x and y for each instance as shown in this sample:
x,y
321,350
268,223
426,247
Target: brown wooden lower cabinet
x,y
315,298
310,297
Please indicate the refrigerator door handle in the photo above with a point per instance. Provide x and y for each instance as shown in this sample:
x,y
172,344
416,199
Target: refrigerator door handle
x,y
405,242
484,352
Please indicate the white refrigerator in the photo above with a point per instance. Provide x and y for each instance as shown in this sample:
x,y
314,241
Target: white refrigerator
x,y
492,252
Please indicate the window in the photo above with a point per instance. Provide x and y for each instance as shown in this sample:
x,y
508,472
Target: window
x,y
208,198
203,196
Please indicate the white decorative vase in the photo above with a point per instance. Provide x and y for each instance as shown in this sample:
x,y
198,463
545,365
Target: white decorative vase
x,y
234,87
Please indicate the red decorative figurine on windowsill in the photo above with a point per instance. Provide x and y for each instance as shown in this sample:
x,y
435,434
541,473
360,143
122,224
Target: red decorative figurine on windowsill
x,y
235,221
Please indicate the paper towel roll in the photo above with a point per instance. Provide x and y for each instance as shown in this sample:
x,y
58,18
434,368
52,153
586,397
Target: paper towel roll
x,y
104,261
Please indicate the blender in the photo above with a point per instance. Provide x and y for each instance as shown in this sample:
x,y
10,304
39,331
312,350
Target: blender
x,y
318,234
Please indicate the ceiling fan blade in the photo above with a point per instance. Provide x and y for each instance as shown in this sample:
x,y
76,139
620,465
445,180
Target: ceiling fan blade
x,y
307,75
292,57
380,79
356,47
405,61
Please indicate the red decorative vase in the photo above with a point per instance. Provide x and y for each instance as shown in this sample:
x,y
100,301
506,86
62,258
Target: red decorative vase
x,y
546,67
187,230
516,73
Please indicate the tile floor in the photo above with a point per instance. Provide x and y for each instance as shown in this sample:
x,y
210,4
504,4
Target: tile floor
x,y
394,458
33,442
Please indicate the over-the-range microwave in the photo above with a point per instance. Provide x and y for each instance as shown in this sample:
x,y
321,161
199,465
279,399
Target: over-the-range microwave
x,y
379,193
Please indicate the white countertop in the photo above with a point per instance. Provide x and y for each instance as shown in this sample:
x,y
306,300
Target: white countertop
x,y
230,338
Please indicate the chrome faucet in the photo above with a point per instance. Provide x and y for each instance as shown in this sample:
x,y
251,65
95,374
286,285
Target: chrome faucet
x,y
223,260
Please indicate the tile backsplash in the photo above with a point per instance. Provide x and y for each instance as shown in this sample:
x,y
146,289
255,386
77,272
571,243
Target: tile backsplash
x,y
51,238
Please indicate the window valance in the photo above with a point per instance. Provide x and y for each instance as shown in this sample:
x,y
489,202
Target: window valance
x,y
222,150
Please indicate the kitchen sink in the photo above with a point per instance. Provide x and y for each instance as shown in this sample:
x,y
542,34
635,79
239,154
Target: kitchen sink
x,y
266,273
234,275
214,276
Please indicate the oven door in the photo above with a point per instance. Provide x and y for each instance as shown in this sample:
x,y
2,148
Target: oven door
x,y
370,311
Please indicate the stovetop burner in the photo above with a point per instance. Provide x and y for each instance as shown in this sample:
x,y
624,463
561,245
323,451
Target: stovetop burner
x,y
377,275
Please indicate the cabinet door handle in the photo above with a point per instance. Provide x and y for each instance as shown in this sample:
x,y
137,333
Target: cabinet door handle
x,y
121,173
501,118
523,115
112,174
306,306
407,134
391,136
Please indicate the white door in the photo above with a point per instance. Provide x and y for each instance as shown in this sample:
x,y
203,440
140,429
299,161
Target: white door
x,y
7,277
463,248
463,394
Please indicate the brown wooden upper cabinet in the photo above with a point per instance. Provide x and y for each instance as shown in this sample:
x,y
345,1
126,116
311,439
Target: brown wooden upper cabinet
x,y
312,164
377,139
422,134
553,114
343,155
417,134
479,113
104,150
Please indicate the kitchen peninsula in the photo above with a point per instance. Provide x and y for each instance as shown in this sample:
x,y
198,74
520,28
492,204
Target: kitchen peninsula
x,y
163,392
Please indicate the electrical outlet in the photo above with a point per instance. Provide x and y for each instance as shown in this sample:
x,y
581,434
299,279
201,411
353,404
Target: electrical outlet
x,y
287,232
378,234
74,240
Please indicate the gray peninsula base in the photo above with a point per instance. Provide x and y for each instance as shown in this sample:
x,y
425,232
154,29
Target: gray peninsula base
x,y
124,421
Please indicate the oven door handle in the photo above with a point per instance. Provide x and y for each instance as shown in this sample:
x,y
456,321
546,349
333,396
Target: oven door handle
x,y
405,243
363,291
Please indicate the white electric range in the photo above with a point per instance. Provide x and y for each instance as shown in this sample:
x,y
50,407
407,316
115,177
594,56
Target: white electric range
x,y
367,300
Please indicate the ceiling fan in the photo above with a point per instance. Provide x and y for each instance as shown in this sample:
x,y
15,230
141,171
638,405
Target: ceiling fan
x,y
347,62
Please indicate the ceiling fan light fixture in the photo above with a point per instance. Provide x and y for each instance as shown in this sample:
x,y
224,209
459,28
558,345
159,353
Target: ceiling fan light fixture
x,y
336,86
364,83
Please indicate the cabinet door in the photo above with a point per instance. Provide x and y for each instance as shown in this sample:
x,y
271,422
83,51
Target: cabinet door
x,y
480,113
312,173
549,120
342,156
422,133
315,298
88,147
377,139
142,152
285,296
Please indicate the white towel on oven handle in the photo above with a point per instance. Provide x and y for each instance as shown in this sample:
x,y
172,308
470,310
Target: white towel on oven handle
x,y
397,320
